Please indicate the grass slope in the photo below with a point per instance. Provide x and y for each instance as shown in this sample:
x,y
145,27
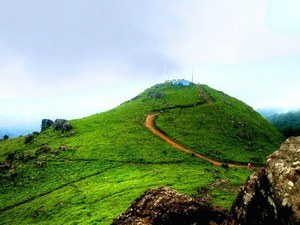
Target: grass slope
x,y
227,129
109,162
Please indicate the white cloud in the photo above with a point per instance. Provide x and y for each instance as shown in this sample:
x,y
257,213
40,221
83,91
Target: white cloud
x,y
128,44
15,79
227,32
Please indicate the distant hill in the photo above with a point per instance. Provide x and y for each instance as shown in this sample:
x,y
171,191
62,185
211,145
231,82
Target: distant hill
x,y
287,123
13,132
91,174
270,111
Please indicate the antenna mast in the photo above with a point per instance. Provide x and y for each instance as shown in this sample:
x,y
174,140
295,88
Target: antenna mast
x,y
165,71
193,75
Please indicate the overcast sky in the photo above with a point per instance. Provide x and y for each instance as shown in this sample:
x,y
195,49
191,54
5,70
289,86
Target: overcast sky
x,y
74,58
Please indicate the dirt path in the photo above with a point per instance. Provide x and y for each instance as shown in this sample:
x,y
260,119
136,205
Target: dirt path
x,y
150,124
204,95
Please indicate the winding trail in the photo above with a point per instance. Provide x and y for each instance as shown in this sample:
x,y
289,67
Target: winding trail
x,y
150,124
204,95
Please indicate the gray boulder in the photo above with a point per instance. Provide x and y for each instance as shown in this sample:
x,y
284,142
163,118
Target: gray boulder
x,y
272,195
62,124
46,123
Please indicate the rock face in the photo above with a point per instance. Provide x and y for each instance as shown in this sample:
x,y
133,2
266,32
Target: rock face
x,y
162,206
62,124
272,195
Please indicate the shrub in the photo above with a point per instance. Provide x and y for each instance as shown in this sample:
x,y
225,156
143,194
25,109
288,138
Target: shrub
x,y
30,137
11,156
5,137
225,165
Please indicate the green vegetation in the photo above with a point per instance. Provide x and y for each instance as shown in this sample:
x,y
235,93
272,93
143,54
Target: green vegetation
x,y
227,129
89,175
287,123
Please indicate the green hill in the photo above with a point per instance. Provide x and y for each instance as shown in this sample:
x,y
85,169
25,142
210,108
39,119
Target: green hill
x,y
227,129
92,174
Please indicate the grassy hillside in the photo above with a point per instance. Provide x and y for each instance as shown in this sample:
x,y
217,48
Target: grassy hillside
x,y
227,129
92,176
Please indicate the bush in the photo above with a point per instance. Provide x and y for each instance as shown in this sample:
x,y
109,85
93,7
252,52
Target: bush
x,y
43,149
30,137
225,165
5,137
11,156
158,95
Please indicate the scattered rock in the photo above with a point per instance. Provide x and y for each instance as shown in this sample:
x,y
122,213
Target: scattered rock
x,y
43,149
71,133
62,124
41,162
63,148
272,195
155,95
162,206
27,156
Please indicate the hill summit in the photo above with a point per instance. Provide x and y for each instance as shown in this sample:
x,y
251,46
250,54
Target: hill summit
x,y
91,173
211,122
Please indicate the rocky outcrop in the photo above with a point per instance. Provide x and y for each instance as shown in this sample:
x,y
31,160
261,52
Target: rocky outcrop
x,y
272,195
164,206
62,124
46,123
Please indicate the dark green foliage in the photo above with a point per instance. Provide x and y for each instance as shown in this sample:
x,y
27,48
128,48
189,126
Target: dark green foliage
x,y
5,137
225,165
11,156
287,123
30,137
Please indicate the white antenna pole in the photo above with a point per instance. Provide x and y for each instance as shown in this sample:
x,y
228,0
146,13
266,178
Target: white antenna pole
x,y
193,75
165,71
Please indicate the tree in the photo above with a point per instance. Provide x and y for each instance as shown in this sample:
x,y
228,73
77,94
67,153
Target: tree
x,y
5,137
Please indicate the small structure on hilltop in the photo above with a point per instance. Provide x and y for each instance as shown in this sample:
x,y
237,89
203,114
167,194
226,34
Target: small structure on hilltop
x,y
182,82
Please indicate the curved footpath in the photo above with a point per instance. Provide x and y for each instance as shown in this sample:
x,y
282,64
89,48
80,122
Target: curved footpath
x,y
150,124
